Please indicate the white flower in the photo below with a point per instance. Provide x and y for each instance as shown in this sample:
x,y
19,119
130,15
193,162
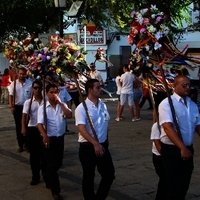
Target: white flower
x,y
153,7
157,45
48,57
39,55
139,18
143,11
158,35
153,16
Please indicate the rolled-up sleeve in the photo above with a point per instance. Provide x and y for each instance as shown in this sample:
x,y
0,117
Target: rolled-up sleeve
x,y
40,117
165,113
80,115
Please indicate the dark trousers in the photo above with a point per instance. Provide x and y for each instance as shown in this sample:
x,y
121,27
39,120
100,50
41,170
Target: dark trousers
x,y
105,167
37,158
22,140
162,183
54,157
143,101
75,98
178,171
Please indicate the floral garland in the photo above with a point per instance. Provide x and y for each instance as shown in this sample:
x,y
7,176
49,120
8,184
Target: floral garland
x,y
149,32
59,56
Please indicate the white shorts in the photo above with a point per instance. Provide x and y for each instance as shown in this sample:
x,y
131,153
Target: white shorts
x,y
125,97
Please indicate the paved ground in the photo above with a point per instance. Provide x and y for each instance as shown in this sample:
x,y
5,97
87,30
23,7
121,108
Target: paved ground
x,y
129,145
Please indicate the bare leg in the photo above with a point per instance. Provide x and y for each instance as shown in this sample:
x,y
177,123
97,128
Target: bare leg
x,y
121,108
132,111
137,108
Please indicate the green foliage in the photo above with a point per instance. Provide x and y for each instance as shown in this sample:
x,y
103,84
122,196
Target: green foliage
x,y
27,15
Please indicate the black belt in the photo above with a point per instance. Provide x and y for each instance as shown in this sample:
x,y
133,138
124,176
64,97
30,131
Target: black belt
x,y
189,146
90,144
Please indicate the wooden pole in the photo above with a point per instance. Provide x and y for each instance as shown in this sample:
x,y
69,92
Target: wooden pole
x,y
86,109
44,103
14,91
29,109
170,101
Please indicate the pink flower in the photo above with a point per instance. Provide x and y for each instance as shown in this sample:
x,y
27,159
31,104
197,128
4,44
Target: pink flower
x,y
158,18
142,30
146,21
133,13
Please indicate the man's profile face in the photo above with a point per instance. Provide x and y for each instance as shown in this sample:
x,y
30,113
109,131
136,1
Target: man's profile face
x,y
182,87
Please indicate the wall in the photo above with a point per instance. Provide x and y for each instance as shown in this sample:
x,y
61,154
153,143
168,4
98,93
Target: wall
x,y
4,63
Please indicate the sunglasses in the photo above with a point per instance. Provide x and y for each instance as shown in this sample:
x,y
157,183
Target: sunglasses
x,y
184,85
35,88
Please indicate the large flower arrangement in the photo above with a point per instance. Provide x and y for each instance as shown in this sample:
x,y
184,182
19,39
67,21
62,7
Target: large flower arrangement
x,y
19,52
149,32
59,56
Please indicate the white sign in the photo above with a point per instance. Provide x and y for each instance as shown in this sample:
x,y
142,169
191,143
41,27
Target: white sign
x,y
93,37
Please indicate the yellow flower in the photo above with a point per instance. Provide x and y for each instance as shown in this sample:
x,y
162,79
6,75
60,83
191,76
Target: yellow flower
x,y
58,70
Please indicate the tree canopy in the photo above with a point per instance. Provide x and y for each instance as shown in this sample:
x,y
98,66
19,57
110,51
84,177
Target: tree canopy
x,y
39,15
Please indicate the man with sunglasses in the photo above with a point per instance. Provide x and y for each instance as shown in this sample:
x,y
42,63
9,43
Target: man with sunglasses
x,y
29,128
177,150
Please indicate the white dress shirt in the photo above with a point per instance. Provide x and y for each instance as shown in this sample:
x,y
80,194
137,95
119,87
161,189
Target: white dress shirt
x,y
155,135
56,121
33,112
23,91
99,116
96,75
187,116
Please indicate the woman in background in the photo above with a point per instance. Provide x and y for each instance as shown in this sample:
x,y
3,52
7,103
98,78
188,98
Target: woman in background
x,y
6,81
118,84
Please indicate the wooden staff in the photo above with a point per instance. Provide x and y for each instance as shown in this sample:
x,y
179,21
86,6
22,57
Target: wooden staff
x,y
14,91
85,107
44,105
29,109
155,112
170,100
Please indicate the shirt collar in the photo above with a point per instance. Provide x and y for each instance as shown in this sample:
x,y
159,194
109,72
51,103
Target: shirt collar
x,y
179,98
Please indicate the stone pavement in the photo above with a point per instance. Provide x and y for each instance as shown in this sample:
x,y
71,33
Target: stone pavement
x,y
130,148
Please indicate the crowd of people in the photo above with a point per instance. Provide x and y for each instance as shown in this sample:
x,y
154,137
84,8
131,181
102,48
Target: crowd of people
x,y
41,123
40,115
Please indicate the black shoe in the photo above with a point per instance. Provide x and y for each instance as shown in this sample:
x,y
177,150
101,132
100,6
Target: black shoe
x,y
20,150
57,197
34,182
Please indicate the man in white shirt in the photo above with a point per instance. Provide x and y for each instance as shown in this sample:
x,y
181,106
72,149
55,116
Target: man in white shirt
x,y
29,117
177,148
21,88
51,124
93,152
94,74
127,80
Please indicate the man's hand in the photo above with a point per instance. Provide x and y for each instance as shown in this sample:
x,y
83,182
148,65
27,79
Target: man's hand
x,y
12,110
46,141
24,131
99,149
186,153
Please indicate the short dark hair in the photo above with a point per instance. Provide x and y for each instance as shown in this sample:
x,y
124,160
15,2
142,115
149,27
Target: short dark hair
x,y
126,66
92,64
51,85
22,68
38,82
90,84
6,71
